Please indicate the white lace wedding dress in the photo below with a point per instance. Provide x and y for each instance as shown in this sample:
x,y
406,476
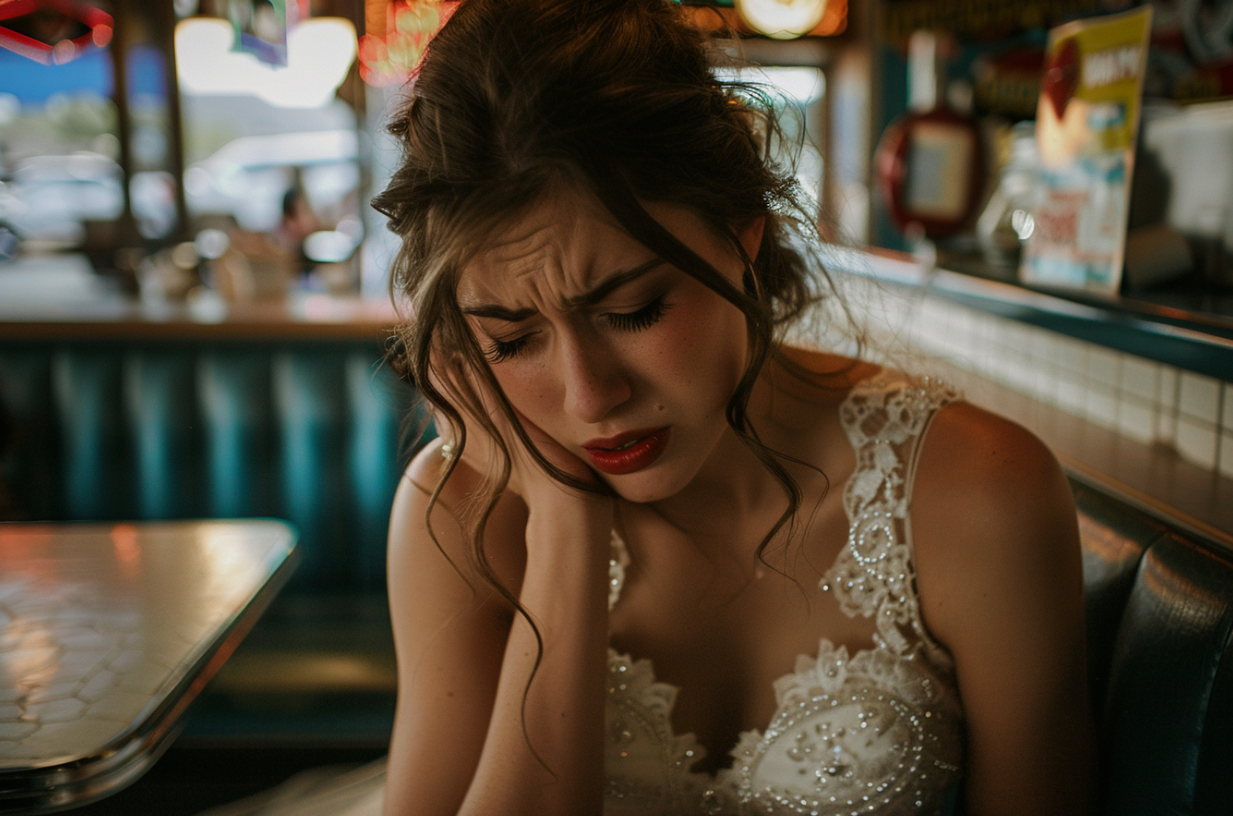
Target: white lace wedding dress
x,y
876,732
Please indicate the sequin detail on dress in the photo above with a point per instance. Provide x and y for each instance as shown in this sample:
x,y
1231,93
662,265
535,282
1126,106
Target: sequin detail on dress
x,y
618,562
877,732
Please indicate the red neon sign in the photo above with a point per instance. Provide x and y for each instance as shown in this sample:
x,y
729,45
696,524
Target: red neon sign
x,y
98,25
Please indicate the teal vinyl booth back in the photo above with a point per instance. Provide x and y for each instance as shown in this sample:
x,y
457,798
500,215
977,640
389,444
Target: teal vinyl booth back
x,y
309,430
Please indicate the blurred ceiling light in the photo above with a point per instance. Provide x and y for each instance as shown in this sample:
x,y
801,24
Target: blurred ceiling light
x,y
782,19
52,32
319,55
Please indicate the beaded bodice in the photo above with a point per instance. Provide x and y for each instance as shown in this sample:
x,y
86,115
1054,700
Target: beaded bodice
x,y
879,731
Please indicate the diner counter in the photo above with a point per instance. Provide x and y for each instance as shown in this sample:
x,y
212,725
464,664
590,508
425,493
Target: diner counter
x,y
61,297
1197,342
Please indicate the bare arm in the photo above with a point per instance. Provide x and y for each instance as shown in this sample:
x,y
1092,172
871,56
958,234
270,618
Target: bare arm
x,y
464,657
1001,585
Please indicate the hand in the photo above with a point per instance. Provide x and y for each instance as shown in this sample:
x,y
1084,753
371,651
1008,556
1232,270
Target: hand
x,y
527,478
556,511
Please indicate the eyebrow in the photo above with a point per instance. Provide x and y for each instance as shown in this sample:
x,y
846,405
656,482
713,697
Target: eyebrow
x,y
596,294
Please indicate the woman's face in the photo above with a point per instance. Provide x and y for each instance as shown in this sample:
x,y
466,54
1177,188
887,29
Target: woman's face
x,y
625,360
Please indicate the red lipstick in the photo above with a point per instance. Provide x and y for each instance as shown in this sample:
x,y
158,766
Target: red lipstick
x,y
627,452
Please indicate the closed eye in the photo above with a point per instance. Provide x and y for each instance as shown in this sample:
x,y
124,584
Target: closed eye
x,y
642,319
501,350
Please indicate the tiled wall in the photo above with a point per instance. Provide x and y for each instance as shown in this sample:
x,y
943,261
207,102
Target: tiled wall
x,y
1146,401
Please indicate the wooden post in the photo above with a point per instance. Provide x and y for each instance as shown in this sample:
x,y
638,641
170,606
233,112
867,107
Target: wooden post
x,y
164,20
128,235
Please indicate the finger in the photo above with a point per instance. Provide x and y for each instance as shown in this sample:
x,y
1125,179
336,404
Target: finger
x,y
554,452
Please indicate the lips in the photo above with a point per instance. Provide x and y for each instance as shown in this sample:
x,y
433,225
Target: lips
x,y
628,452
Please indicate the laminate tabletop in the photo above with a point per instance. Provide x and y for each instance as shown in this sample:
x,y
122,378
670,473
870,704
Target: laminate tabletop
x,y
107,632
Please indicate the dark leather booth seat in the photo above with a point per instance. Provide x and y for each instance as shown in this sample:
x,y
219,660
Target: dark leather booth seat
x,y
1159,619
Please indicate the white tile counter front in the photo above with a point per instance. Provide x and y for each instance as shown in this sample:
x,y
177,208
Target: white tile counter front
x,y
107,632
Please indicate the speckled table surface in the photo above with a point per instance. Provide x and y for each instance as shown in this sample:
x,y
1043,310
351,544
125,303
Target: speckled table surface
x,y
107,631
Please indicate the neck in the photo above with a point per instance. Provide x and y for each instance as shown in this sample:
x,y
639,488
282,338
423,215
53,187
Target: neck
x,y
735,499
734,491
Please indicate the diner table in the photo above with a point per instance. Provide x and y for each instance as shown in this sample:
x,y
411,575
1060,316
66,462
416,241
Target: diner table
x,y
107,633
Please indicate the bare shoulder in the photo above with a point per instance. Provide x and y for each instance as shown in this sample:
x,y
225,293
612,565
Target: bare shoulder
x,y
413,503
993,520
427,467
450,630
996,471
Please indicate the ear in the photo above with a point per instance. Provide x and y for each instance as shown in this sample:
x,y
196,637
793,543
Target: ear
x,y
750,236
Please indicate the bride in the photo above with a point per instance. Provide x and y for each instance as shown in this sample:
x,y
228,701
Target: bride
x,y
659,561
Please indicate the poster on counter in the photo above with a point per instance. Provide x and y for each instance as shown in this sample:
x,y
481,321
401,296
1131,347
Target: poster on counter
x,y
1087,119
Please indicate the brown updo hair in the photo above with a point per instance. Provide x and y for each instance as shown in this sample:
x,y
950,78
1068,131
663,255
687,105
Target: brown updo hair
x,y
615,97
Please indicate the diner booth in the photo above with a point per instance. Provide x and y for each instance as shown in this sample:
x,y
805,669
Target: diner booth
x,y
199,437
194,320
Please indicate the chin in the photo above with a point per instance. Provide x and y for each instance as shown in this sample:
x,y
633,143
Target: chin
x,y
644,487
639,494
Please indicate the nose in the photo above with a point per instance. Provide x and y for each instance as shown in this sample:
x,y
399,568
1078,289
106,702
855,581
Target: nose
x,y
595,379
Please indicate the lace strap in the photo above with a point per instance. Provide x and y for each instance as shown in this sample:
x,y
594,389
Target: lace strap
x,y
618,560
884,417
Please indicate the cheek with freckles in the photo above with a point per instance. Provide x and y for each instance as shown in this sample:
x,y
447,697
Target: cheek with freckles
x,y
702,356
533,389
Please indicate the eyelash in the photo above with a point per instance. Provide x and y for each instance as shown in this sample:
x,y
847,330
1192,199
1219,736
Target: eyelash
x,y
644,318
640,320
502,350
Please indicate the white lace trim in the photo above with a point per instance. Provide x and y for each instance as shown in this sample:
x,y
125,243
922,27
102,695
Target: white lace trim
x,y
647,766
874,576
851,735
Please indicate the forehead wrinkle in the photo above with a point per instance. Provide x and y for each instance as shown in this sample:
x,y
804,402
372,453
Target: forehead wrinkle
x,y
536,255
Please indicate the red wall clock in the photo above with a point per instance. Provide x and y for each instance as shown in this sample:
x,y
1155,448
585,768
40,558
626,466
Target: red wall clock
x,y
931,168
